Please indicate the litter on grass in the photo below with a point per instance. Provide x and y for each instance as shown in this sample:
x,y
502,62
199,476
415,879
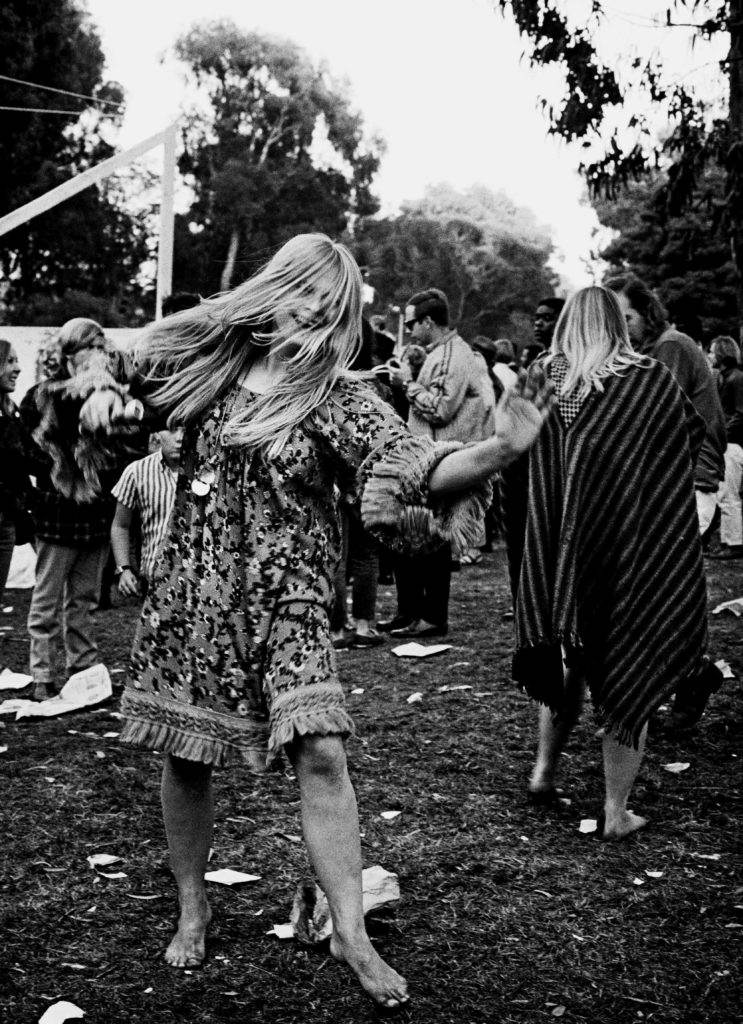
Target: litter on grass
x,y
358,689
707,856
676,767
226,876
588,825
14,680
415,698
282,931
638,881
735,606
59,1012
91,686
415,650
653,874
727,672
310,916
3,750
113,874
390,815
103,860
450,689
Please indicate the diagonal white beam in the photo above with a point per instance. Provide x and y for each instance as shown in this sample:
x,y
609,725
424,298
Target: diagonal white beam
x,y
84,180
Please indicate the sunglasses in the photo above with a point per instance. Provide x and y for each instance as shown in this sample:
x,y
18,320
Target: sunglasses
x,y
410,324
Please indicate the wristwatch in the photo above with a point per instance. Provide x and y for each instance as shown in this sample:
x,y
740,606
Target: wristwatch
x,y
121,568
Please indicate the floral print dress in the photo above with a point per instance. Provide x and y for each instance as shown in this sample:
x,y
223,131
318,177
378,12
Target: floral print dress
x,y
233,656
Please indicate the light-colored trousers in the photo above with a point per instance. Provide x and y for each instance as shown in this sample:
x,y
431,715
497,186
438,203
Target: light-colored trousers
x,y
728,497
67,588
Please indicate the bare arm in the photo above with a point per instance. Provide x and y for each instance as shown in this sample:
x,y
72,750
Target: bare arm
x,y
121,547
519,417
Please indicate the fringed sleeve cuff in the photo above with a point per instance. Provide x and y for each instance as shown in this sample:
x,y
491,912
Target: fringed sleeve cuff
x,y
398,510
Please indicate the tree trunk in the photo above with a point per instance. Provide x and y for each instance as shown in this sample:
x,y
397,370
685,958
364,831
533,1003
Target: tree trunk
x,y
735,151
229,265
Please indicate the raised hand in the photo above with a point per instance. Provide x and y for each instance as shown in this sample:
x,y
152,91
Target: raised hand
x,y
522,410
101,410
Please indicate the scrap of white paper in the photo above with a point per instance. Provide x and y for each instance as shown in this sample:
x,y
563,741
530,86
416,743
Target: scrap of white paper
x,y
415,650
113,874
102,860
390,815
707,856
450,689
358,689
282,931
588,825
143,896
8,609
638,881
676,767
82,689
110,735
727,672
653,874
735,606
14,680
415,698
3,750
226,876
59,1012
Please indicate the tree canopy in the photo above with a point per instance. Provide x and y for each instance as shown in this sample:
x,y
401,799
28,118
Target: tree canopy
x,y
697,138
489,256
272,148
90,244
681,256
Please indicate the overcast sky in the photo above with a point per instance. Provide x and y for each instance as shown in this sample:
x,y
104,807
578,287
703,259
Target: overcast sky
x,y
440,80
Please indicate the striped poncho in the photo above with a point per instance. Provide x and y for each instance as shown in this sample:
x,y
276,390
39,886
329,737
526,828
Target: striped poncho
x,y
604,550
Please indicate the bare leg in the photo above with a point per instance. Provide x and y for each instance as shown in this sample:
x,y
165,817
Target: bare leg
x,y
188,814
621,765
554,732
331,830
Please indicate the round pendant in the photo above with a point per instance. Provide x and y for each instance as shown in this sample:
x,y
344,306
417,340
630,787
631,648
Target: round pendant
x,y
200,487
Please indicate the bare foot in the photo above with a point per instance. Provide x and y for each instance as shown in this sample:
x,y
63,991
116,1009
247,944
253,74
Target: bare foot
x,y
381,982
622,824
188,946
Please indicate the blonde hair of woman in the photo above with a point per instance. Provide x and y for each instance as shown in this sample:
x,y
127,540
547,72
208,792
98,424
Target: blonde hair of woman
x,y
304,305
591,333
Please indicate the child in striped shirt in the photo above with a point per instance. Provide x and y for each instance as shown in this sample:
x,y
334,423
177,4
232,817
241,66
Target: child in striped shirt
x,y
147,487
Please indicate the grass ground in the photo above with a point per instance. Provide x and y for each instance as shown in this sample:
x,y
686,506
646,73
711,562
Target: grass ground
x,y
508,913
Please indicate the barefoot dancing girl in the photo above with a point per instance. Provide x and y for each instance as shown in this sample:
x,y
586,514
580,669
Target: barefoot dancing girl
x,y
604,551
233,660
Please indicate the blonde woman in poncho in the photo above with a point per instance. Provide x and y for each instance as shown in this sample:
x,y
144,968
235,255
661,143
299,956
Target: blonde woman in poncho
x,y
233,660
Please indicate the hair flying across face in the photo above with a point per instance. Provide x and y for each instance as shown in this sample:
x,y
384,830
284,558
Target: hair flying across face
x,y
304,305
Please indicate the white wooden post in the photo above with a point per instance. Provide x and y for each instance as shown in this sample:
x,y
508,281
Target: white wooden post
x,y
167,221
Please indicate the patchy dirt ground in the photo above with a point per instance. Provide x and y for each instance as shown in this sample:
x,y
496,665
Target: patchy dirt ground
x,y
508,914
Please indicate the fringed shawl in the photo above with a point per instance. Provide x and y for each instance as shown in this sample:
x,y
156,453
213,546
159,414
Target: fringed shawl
x,y
604,550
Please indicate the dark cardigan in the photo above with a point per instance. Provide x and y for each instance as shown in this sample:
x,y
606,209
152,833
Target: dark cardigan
x,y
604,550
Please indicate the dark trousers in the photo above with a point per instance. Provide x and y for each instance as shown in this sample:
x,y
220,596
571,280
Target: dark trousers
x,y
423,583
359,562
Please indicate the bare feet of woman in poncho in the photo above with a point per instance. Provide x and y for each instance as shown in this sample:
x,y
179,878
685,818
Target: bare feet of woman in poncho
x,y
622,823
188,946
382,983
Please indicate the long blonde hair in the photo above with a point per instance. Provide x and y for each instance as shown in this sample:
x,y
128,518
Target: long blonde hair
x,y
591,333
193,357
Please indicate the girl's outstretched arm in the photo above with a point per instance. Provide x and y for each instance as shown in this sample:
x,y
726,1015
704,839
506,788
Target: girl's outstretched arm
x,y
519,417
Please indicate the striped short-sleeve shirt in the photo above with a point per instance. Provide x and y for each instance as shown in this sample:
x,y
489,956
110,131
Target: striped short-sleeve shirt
x,y
148,486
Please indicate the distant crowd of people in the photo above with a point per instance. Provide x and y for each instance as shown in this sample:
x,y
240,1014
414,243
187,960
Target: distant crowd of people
x,y
285,447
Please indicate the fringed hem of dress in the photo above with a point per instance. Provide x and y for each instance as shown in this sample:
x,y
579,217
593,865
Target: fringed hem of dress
x,y
535,667
395,504
308,710
192,733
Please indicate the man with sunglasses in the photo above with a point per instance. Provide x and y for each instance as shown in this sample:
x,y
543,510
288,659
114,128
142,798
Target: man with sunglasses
x,y
449,401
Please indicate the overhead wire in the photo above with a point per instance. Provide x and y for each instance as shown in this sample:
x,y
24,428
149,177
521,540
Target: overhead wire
x,y
44,110
62,92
